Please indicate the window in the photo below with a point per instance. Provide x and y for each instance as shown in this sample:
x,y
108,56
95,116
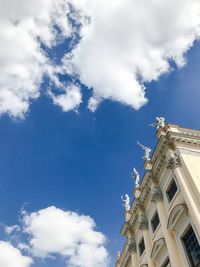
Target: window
x,y
141,246
166,263
171,191
155,221
192,247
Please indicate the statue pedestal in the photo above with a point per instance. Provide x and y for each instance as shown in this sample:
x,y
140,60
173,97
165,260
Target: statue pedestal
x,y
127,215
160,132
137,192
147,165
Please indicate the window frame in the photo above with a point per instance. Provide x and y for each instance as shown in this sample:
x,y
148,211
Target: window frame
x,y
172,180
139,247
188,257
152,219
166,261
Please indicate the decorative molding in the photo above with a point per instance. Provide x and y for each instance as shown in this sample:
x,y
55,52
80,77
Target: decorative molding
x,y
128,262
146,192
134,219
143,223
175,214
157,245
126,230
156,194
174,162
138,203
131,245
158,164
154,178
186,136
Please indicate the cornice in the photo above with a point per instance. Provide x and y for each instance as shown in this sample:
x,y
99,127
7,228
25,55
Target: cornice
x,y
159,148
168,141
125,257
186,136
134,217
126,228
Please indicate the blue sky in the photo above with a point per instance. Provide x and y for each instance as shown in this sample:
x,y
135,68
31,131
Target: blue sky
x,y
81,161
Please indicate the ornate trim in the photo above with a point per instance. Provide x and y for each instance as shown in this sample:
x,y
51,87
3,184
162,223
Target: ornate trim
x,y
157,195
174,162
143,223
175,214
131,245
154,178
138,203
157,246
128,262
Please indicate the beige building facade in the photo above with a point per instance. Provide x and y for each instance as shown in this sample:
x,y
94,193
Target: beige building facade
x,y
162,226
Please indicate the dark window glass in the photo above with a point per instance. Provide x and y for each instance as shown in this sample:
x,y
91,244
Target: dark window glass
x,y
192,247
171,191
166,263
155,221
141,246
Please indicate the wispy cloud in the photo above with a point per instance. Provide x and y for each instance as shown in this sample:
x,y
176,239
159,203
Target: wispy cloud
x,y
68,100
10,229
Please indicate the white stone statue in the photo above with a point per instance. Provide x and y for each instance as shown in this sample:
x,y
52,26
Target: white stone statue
x,y
136,177
126,201
147,151
160,122
118,254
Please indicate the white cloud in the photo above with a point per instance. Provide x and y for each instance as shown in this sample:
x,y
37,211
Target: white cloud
x,y
11,229
127,43
130,42
54,231
69,100
22,61
12,257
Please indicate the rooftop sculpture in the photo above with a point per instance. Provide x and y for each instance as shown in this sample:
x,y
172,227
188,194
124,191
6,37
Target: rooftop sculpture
x,y
147,151
126,201
159,123
118,254
136,177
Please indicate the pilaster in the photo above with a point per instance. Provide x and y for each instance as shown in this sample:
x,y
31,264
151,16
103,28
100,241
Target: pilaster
x,y
174,163
143,226
173,250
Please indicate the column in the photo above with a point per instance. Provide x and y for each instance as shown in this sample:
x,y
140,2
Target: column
x,y
132,250
143,226
173,250
175,164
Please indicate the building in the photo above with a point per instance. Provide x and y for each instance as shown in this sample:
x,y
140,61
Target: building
x,y
162,227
